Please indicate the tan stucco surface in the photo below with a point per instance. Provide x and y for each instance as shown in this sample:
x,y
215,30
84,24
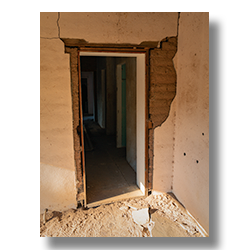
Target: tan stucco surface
x,y
57,188
115,27
56,137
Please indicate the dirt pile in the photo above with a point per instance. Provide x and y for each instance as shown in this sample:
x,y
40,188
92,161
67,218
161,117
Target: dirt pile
x,y
116,220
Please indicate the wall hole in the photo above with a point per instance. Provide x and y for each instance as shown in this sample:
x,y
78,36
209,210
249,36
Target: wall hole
x,y
202,133
184,154
197,161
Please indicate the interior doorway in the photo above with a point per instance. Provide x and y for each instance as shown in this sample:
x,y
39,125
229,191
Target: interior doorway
x,y
114,133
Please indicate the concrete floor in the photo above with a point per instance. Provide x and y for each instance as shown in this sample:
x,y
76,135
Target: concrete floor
x,y
109,176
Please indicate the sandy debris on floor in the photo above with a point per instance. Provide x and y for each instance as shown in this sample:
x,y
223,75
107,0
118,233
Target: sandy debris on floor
x,y
116,219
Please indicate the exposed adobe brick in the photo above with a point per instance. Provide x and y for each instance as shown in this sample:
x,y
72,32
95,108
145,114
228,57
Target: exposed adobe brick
x,y
159,54
159,71
157,61
158,103
162,79
157,95
162,87
158,113
166,68
171,87
150,157
170,96
170,44
162,90
76,115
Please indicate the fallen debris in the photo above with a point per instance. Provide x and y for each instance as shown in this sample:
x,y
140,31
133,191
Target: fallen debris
x,y
141,216
156,216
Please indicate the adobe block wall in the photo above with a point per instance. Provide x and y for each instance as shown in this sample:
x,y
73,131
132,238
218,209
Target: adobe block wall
x,y
162,90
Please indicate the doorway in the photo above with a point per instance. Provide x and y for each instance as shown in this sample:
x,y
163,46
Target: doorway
x,y
115,167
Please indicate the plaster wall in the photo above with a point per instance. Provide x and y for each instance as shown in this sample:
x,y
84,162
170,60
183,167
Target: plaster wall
x,y
191,157
164,153
57,188
56,137
117,27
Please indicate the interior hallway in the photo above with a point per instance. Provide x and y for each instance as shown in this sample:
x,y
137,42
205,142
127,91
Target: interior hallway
x,y
108,174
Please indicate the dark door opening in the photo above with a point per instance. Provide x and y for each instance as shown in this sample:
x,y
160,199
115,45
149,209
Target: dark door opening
x,y
110,131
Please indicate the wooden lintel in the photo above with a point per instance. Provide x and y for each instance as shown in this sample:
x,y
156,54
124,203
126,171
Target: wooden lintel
x,y
81,43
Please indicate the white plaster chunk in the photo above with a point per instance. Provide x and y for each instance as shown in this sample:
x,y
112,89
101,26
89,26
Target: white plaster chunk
x,y
141,216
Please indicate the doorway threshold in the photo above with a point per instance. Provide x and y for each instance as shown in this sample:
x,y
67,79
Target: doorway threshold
x,y
135,194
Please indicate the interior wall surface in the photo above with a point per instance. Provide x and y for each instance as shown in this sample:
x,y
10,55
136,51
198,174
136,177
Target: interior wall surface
x,y
118,27
164,153
191,150
57,175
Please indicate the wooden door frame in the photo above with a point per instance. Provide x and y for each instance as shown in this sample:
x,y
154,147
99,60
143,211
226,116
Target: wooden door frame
x,y
77,116
82,132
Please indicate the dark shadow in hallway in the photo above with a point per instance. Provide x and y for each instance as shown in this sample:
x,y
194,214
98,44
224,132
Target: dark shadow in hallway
x,y
108,173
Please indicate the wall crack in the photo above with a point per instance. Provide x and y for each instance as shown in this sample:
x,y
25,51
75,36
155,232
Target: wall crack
x,y
58,29
58,26
178,22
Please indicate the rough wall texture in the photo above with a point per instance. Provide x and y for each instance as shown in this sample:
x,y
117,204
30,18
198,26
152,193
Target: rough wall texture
x,y
162,81
162,91
75,97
